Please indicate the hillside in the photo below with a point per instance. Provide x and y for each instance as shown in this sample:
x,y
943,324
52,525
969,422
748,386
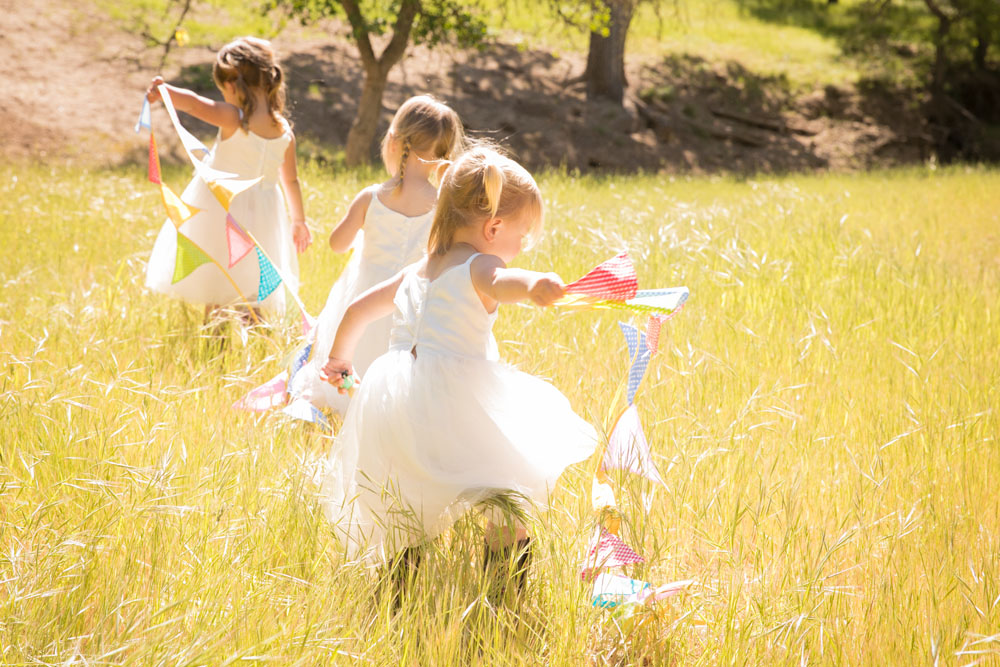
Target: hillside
x,y
684,113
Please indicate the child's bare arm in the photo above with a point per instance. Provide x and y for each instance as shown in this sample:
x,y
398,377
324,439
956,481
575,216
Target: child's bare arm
x,y
220,114
289,175
343,234
367,307
492,278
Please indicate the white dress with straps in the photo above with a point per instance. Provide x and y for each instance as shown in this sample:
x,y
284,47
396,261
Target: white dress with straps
x,y
260,209
388,241
439,424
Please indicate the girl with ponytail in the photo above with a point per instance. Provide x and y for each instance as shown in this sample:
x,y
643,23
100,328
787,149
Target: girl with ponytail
x,y
254,141
438,423
387,225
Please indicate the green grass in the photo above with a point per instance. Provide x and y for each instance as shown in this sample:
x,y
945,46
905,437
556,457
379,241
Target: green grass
x,y
824,412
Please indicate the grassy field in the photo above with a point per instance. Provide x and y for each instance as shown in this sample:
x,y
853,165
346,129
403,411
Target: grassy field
x,y
824,412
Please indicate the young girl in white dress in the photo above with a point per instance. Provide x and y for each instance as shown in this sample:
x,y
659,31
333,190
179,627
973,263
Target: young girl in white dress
x,y
394,219
438,423
254,140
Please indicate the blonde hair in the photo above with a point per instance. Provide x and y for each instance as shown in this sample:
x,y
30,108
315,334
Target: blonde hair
x,y
251,63
483,184
426,125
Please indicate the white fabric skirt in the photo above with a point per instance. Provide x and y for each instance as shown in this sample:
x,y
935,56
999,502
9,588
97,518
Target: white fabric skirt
x,y
425,439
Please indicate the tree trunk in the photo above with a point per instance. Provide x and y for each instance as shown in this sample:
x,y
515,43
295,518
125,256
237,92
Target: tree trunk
x,y
361,136
605,73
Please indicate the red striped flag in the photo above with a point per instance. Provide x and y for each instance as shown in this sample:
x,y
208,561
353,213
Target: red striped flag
x,y
614,279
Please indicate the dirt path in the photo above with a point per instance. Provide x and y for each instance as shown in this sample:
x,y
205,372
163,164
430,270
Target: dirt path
x,y
72,85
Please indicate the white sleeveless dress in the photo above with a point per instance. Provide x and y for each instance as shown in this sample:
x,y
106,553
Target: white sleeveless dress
x,y
259,209
390,241
428,436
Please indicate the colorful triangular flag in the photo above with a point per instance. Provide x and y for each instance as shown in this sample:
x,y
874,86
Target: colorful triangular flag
x,y
239,244
177,210
607,550
639,355
302,409
298,361
628,449
226,190
269,278
154,161
611,590
189,257
269,395
144,117
614,279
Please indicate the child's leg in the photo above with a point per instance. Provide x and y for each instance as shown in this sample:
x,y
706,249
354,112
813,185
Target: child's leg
x,y
402,572
506,555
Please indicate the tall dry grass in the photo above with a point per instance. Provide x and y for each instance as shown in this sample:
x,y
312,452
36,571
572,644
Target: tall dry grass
x,y
824,412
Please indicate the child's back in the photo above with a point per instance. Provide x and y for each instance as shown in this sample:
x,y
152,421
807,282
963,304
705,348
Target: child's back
x,y
392,221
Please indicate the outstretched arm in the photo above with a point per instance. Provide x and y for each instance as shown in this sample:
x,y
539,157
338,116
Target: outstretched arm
x,y
368,307
499,284
343,234
289,174
220,114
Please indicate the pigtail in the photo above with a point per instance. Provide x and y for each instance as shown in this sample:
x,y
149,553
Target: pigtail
x,y
492,184
249,63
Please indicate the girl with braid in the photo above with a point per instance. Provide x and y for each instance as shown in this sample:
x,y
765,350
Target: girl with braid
x,y
387,225
254,141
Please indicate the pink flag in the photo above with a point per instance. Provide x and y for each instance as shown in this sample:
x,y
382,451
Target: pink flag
x,y
154,161
239,244
614,279
269,395
628,449
607,550
653,332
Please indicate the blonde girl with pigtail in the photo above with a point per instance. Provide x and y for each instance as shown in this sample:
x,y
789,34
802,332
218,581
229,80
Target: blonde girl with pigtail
x,y
387,225
254,140
438,424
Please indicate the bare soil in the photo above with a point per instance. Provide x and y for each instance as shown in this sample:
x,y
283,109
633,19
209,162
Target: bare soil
x,y
72,85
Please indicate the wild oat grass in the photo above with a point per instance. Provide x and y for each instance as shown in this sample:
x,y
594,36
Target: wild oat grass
x,y
824,412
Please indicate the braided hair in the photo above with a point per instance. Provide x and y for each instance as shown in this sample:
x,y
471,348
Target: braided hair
x,y
423,125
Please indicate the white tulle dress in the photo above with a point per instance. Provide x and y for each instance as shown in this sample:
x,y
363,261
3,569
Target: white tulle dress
x,y
439,423
388,241
260,209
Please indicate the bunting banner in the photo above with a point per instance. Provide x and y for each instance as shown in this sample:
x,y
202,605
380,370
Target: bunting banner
x,y
611,590
189,257
299,360
607,550
613,285
628,449
225,186
269,395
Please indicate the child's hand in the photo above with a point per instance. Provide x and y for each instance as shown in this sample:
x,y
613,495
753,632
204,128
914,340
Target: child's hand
x,y
301,235
152,93
340,374
546,289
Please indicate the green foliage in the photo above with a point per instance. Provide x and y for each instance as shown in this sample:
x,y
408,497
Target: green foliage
x,y
208,23
437,22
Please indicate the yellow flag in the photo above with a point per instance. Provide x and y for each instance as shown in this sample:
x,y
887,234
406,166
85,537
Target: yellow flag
x,y
182,37
177,210
225,190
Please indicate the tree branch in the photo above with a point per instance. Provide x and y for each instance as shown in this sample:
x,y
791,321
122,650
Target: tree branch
x,y
360,30
400,34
